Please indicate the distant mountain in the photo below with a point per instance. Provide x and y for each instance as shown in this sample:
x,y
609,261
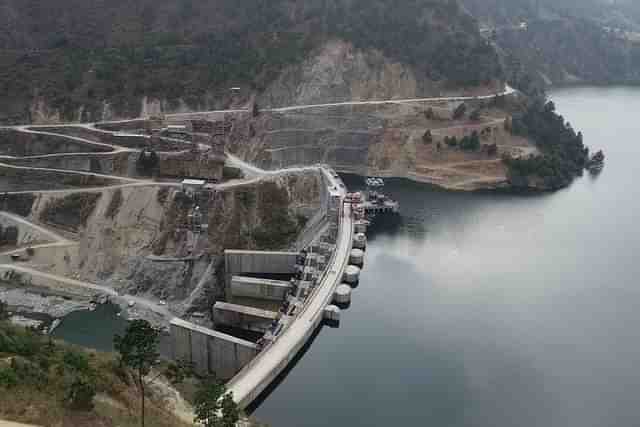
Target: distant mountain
x,y
546,42
87,59
625,13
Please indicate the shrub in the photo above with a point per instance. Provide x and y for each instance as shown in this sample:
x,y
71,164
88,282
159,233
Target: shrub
x,y
79,394
19,204
114,204
451,141
277,227
427,138
470,143
9,235
229,173
75,361
163,195
27,371
460,111
147,162
73,210
4,311
8,377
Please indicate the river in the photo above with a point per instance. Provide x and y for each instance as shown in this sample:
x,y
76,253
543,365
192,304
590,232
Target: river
x,y
492,310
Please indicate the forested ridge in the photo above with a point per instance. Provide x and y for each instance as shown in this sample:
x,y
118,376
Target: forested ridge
x,y
74,53
564,41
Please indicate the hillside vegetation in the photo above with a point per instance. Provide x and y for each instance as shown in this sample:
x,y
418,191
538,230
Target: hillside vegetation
x,y
563,154
74,53
565,41
50,383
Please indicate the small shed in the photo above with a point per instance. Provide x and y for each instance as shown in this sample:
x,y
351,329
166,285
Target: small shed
x,y
192,186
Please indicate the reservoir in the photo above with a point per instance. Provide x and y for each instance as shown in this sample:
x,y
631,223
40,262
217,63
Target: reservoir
x,y
492,310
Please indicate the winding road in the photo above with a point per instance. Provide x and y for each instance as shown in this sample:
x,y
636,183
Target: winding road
x,y
272,360
507,91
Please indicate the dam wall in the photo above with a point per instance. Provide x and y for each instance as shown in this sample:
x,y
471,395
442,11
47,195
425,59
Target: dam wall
x,y
256,376
209,351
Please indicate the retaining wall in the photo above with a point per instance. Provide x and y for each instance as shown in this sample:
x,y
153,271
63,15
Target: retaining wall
x,y
244,317
210,351
258,262
275,290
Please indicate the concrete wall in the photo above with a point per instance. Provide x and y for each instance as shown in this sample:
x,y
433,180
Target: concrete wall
x,y
257,262
240,316
273,290
208,350
319,219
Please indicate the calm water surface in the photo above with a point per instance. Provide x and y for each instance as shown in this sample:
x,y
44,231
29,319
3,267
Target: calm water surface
x,y
93,329
493,310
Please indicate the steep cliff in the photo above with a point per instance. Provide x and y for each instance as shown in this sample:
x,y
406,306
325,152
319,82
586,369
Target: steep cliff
x,y
338,71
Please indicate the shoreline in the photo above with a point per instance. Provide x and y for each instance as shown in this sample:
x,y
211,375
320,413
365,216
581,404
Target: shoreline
x,y
501,185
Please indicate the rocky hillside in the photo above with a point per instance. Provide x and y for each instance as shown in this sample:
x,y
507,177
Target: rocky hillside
x,y
450,144
137,240
88,60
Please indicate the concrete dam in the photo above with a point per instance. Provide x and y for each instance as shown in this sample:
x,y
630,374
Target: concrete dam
x,y
322,272
272,302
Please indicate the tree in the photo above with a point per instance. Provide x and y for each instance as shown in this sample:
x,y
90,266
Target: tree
x,y
138,352
459,112
147,162
508,125
79,393
471,142
177,372
4,311
427,138
215,407
429,114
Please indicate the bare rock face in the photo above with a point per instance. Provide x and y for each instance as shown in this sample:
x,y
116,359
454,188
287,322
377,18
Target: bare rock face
x,y
385,140
138,239
339,72
164,280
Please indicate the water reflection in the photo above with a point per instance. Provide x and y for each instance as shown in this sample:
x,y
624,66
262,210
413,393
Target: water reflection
x,y
492,309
